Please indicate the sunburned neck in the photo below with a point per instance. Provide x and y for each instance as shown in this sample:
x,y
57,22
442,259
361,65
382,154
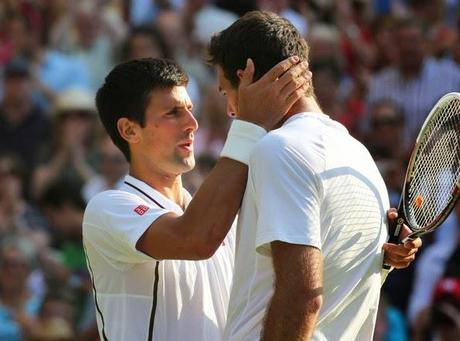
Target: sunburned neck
x,y
305,104
168,185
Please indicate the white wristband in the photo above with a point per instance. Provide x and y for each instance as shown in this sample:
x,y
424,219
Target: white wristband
x,y
241,139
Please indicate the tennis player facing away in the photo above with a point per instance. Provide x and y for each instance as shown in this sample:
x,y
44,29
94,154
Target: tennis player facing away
x,y
138,239
313,219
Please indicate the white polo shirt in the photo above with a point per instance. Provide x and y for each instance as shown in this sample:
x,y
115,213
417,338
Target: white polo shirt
x,y
138,297
311,183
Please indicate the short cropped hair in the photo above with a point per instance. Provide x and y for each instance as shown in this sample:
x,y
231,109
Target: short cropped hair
x,y
264,37
127,89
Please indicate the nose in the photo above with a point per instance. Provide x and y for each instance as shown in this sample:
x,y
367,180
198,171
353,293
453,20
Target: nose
x,y
192,123
230,110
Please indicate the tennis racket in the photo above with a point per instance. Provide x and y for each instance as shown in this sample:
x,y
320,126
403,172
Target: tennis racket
x,y
432,184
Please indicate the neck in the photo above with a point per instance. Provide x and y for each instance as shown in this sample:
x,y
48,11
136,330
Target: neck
x,y
304,104
167,184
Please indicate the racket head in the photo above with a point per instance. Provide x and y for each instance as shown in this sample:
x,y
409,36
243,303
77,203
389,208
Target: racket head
x,y
432,184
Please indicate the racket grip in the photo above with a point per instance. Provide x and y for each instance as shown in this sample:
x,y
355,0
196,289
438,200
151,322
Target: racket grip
x,y
395,227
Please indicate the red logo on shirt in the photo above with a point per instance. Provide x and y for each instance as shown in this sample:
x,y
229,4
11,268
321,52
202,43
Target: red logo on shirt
x,y
141,209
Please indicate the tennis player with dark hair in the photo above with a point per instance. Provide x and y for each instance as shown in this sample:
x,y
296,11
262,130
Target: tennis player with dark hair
x,y
139,240
313,221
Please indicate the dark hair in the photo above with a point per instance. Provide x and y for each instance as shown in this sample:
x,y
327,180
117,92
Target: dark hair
x,y
264,37
62,192
127,89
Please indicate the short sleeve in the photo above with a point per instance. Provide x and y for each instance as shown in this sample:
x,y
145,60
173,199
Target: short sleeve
x,y
113,223
287,197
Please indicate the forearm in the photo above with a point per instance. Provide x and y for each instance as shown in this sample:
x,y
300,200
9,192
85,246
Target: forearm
x,y
212,211
298,294
290,317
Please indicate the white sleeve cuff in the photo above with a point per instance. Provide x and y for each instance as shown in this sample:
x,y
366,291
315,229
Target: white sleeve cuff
x,y
241,139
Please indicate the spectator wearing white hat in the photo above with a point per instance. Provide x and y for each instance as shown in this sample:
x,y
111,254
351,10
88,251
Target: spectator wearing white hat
x,y
71,154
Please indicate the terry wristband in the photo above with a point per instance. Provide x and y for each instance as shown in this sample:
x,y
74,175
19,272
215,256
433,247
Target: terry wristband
x,y
241,139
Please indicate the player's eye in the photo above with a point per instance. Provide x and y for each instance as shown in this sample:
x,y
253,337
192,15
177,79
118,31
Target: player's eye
x,y
173,112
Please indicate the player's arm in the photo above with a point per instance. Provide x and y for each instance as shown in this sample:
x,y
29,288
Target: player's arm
x,y
297,299
201,229
400,256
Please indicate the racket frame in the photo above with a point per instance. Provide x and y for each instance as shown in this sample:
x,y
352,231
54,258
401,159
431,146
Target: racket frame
x,y
396,225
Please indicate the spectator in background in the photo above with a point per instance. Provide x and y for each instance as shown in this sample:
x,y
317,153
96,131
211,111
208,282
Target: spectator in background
x,y
440,259
92,44
17,215
71,154
112,167
15,37
416,82
290,10
455,51
51,70
64,206
55,320
57,23
385,54
356,41
18,305
24,128
445,311
391,324
339,95
178,27
145,42
429,12
325,44
326,83
386,134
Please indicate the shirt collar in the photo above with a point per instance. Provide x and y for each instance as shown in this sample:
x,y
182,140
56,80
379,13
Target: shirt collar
x,y
139,187
306,113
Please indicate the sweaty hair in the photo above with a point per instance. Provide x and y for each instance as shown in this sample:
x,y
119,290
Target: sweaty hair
x,y
127,89
264,37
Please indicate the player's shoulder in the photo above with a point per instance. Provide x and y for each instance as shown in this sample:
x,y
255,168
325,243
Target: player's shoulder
x,y
108,201
105,197
273,146
299,135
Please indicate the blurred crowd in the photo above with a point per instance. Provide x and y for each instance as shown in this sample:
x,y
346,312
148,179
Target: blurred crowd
x,y
378,67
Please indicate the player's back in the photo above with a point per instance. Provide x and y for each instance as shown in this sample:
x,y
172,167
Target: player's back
x,y
311,183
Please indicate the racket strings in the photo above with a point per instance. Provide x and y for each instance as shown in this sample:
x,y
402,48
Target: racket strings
x,y
436,168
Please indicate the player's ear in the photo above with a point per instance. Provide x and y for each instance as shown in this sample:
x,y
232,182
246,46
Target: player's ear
x,y
246,76
128,130
240,74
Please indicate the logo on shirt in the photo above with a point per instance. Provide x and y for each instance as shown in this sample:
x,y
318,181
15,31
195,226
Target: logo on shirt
x,y
141,209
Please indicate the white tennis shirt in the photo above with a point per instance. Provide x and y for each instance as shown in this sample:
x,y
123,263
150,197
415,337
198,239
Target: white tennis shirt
x,y
311,183
137,297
